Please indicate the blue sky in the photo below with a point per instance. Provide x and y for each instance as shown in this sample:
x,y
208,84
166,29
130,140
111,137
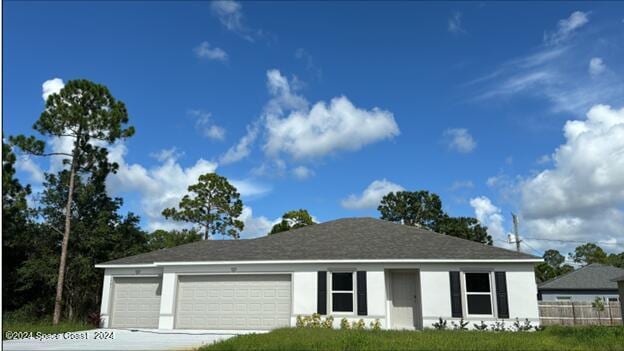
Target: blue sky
x,y
327,106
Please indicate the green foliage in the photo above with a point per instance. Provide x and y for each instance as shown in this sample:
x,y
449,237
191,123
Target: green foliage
x,y
598,304
424,209
358,325
460,325
589,253
314,321
213,204
328,323
522,326
498,326
162,239
413,208
481,326
550,339
552,266
344,324
293,220
440,324
375,325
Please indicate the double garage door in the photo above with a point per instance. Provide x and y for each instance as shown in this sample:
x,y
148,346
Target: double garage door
x,y
206,302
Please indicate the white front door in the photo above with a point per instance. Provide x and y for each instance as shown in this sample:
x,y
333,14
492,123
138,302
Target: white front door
x,y
405,304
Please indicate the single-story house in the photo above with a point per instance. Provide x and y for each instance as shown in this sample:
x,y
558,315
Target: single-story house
x,y
583,284
354,268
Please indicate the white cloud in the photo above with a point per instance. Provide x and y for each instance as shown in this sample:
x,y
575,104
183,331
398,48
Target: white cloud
x,y
566,27
489,215
371,196
461,184
205,50
255,226
204,123
230,14
455,23
25,164
243,148
51,86
324,128
302,172
596,66
460,140
163,185
581,196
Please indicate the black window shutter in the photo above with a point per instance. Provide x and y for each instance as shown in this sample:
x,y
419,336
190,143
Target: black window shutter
x,y
321,307
456,305
362,308
501,294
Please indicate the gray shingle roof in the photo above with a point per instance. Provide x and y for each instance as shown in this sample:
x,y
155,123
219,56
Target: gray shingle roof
x,y
342,239
591,277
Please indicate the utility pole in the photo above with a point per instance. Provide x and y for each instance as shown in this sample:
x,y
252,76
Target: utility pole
x,y
517,236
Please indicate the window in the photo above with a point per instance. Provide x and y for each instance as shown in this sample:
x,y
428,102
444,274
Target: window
x,y
563,298
478,293
342,292
613,299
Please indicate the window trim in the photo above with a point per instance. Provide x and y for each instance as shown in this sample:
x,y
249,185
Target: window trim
x,y
331,291
465,293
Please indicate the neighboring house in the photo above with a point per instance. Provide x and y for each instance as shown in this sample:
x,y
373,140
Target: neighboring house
x,y
583,284
354,268
620,282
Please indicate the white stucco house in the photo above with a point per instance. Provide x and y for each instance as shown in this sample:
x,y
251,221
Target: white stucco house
x,y
354,268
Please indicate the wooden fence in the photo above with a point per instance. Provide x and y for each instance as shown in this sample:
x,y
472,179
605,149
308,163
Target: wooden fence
x,y
579,313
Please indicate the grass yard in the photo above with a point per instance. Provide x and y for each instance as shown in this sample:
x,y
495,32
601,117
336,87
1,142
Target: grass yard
x,y
552,338
41,326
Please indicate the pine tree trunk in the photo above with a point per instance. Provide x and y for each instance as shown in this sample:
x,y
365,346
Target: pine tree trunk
x,y
58,300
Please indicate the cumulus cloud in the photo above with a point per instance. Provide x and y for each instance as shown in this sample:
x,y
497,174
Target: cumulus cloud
x,y
371,196
581,196
204,123
460,140
490,215
255,226
596,66
51,86
566,27
455,23
243,148
26,164
323,129
206,51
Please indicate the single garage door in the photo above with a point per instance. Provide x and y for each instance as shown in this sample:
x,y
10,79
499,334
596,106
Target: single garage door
x,y
136,302
233,302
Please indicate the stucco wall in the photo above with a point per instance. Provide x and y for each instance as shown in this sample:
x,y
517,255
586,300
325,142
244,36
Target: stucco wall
x,y
434,281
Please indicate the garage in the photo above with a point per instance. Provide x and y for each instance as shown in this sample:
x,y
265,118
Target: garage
x,y
136,302
233,302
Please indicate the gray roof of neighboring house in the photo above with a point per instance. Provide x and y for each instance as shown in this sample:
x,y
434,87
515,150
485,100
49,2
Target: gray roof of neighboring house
x,y
592,277
618,279
342,239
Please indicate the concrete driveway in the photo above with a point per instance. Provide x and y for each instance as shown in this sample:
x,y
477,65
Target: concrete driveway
x,y
123,339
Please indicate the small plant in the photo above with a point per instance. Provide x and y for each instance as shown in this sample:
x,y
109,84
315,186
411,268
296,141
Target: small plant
x,y
94,319
328,323
598,305
480,327
459,326
344,324
498,326
300,321
440,324
315,321
522,326
539,328
359,325
376,325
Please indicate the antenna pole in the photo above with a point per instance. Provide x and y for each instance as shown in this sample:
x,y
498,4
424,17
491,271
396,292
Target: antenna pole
x,y
515,224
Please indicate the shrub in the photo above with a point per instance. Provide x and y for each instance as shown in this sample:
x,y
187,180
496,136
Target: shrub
x,y
440,324
480,327
376,325
300,321
498,326
315,321
461,325
344,324
522,326
95,319
328,323
359,325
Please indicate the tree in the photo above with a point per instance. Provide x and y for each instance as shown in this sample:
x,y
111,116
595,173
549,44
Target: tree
x,y
161,239
293,220
416,208
424,209
589,253
465,228
552,266
616,260
213,204
553,258
89,115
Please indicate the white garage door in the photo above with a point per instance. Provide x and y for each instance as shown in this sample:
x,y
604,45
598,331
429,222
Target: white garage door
x,y
136,302
233,302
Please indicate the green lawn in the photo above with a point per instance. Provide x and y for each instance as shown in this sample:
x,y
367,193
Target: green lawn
x,y
45,327
552,338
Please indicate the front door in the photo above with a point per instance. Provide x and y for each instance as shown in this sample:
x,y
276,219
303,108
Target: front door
x,y
405,304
